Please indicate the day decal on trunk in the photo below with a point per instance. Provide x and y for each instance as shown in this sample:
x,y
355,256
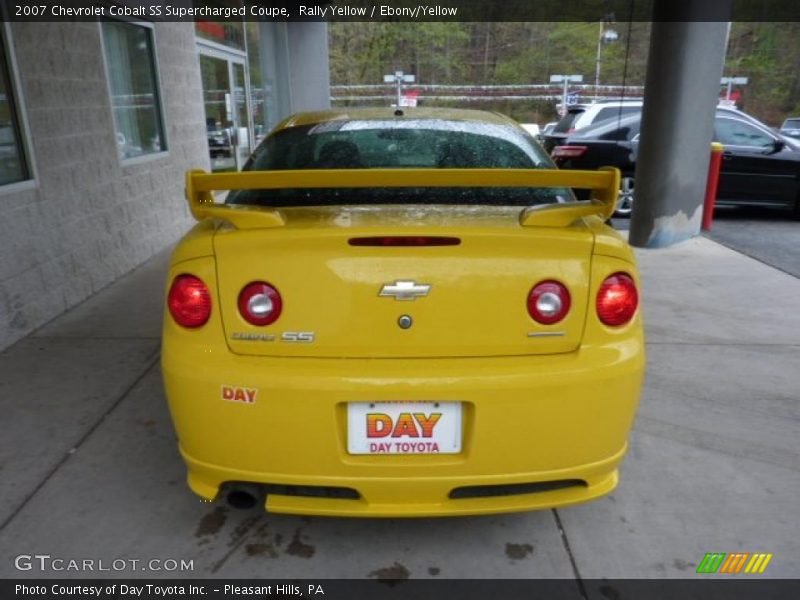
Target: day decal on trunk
x,y
243,395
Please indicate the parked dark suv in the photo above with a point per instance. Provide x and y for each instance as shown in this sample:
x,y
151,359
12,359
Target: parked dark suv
x,y
580,116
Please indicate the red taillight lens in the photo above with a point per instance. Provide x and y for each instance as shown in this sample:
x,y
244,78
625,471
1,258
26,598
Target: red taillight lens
x,y
189,301
548,302
569,151
260,303
617,299
404,240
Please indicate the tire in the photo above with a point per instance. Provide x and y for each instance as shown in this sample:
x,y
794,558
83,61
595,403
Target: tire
x,y
625,200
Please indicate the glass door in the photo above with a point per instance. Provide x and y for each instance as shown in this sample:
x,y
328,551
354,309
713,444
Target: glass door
x,y
227,115
241,114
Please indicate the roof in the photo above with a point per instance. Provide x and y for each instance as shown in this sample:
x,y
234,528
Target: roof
x,y
450,114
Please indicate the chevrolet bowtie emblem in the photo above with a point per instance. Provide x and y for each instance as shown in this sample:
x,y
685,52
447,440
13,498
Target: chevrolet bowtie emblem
x,y
405,290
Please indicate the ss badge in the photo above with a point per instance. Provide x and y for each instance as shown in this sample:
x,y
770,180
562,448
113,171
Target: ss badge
x,y
305,337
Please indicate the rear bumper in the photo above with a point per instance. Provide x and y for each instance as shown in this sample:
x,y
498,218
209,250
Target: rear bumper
x,y
527,419
415,497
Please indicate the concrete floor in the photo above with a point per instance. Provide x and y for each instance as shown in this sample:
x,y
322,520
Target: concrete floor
x,y
90,468
771,236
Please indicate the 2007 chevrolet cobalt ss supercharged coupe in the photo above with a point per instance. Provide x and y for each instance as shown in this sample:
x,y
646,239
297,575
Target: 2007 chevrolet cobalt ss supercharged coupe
x,y
402,314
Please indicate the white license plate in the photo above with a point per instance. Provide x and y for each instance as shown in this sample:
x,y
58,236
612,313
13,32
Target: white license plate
x,y
404,427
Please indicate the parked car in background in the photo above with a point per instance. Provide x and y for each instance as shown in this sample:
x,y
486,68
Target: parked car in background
x,y
759,166
531,128
545,130
219,141
125,149
580,116
791,127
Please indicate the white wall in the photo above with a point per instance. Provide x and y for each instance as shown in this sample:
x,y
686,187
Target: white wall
x,y
89,219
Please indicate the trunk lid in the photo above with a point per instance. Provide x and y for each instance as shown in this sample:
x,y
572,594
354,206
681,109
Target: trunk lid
x,y
475,306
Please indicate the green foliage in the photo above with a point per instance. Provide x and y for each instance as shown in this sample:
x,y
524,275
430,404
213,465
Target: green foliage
x,y
361,53
485,53
768,54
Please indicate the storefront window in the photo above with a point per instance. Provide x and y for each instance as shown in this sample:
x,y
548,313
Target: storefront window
x,y
13,163
130,59
228,33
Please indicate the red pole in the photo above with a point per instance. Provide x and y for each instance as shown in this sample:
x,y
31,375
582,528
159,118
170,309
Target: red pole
x,y
711,185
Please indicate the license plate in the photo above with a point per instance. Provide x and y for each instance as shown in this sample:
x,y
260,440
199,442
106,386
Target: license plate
x,y
404,427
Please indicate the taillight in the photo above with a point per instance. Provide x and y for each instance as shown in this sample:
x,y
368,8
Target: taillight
x,y
404,240
548,302
569,151
260,303
189,301
617,299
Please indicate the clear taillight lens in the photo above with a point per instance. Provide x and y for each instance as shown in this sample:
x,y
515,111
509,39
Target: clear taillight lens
x,y
189,301
548,302
617,300
260,303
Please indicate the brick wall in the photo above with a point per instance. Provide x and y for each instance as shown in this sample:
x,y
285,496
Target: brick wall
x,y
89,219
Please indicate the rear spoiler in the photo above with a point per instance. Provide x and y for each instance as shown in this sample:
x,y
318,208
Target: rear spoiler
x,y
604,184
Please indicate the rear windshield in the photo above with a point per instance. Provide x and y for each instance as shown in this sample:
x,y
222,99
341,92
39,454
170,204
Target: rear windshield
x,y
613,129
610,112
407,143
791,124
565,124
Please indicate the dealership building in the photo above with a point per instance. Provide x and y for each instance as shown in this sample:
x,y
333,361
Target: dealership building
x,y
99,121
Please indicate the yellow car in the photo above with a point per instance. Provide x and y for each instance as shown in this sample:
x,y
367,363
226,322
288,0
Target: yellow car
x,y
402,313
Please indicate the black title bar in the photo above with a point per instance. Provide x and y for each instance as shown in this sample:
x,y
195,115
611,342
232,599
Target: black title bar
x,y
707,587
403,10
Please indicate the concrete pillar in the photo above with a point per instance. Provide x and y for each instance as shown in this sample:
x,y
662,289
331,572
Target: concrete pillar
x,y
295,68
681,91
274,58
309,66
